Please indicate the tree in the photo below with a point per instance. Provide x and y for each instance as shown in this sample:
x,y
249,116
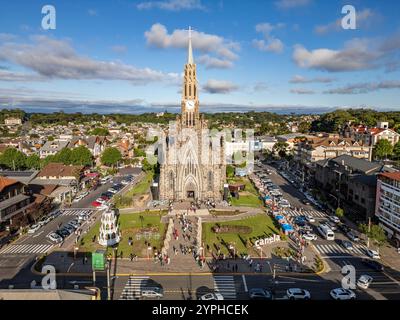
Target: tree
x,y
64,156
383,148
375,233
13,159
100,132
81,156
304,127
396,151
339,213
33,162
280,148
230,171
111,156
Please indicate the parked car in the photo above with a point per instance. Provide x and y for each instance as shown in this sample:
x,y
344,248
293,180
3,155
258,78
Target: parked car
x,y
55,237
298,294
331,225
373,264
306,202
352,236
334,219
342,294
364,281
344,228
372,254
34,228
347,245
309,236
310,219
212,296
96,204
260,294
112,190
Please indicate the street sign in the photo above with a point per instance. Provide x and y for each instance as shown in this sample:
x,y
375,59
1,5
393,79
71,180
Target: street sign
x,y
99,260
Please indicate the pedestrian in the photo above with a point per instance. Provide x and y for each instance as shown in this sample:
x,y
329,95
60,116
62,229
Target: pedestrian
x,y
236,267
85,259
131,257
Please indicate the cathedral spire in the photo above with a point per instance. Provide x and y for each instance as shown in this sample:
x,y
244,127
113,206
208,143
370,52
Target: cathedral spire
x,y
190,51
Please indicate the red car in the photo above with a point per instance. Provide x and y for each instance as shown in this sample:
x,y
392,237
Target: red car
x,y
96,204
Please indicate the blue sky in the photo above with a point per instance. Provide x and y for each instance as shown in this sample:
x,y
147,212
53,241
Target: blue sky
x,y
128,56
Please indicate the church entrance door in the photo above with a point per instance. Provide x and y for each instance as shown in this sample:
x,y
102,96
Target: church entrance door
x,y
190,194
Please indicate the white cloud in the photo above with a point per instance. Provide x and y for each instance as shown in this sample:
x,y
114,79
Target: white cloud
x,y
56,59
366,87
363,18
302,91
271,43
290,4
356,55
171,5
224,49
274,45
301,79
219,87
18,76
214,63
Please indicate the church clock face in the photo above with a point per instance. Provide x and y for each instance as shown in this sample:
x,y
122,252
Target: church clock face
x,y
189,104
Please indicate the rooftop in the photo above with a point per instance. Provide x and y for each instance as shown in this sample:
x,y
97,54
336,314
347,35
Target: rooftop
x,y
391,175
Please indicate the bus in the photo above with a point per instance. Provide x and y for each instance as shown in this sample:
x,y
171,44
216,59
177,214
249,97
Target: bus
x,y
326,232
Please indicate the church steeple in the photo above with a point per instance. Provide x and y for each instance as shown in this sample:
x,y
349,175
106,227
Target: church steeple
x,y
190,51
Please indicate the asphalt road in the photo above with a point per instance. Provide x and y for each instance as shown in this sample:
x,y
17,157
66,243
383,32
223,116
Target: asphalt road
x,y
29,246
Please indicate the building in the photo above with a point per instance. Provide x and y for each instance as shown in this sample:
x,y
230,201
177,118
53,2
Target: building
x,y
12,122
388,204
192,163
370,136
349,183
50,148
95,144
314,148
14,200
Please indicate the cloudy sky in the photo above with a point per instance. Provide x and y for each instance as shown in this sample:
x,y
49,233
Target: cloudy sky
x,y
128,56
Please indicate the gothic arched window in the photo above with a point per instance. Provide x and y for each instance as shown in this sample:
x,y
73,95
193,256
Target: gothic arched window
x,y
171,180
210,181
190,90
194,88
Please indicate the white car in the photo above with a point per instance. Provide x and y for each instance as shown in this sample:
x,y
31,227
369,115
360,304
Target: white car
x,y
372,254
124,182
55,237
309,236
334,219
101,200
34,228
77,199
310,219
353,237
364,281
342,294
212,296
112,190
298,294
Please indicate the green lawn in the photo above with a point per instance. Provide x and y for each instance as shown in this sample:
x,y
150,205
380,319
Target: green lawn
x,y
142,187
247,198
130,226
261,226
126,200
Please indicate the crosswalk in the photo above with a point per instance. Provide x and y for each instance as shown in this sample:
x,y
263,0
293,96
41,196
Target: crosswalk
x,y
335,249
75,212
26,248
225,285
132,288
310,213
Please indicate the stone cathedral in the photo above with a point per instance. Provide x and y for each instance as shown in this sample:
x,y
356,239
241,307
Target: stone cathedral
x,y
192,161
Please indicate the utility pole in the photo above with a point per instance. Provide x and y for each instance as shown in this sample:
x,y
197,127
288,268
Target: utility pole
x,y
369,230
108,280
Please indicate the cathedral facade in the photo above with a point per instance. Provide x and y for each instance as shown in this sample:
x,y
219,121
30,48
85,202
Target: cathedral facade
x,y
192,159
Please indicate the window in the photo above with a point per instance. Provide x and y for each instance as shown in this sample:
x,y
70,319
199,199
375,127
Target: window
x,y
210,181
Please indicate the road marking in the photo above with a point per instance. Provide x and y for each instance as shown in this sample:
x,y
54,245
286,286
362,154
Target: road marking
x,y
37,234
225,285
244,283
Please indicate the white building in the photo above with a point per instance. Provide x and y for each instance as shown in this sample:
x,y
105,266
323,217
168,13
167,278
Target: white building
x,y
109,234
388,203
